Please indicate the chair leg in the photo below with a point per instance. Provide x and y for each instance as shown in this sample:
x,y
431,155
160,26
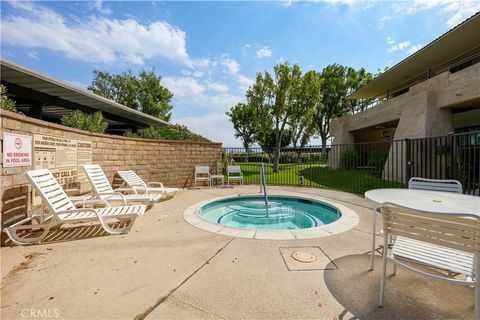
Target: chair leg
x,y
384,271
374,234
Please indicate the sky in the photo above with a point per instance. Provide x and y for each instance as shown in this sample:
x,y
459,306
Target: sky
x,y
208,52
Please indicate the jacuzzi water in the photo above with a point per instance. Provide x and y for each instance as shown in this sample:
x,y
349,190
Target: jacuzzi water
x,y
283,213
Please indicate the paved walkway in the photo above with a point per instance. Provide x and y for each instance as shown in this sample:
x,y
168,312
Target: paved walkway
x,y
167,269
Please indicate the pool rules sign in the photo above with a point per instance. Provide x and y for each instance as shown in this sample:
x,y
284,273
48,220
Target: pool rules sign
x,y
17,150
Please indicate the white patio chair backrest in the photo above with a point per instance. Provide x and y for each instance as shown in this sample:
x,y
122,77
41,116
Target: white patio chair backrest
x,y
131,178
51,192
98,179
234,169
435,185
447,230
202,170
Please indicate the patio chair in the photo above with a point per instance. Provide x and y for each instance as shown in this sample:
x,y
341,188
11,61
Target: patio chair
x,y
102,189
202,173
234,173
444,242
62,211
435,185
132,180
421,184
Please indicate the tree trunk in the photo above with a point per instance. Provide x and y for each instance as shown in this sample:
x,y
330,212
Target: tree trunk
x,y
324,144
276,157
247,151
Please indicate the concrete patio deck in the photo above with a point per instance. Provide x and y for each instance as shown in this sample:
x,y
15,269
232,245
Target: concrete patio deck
x,y
166,268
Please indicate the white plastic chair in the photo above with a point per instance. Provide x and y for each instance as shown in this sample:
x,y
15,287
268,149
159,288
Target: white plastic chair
x,y
421,184
435,185
234,173
133,181
202,173
62,211
442,241
102,188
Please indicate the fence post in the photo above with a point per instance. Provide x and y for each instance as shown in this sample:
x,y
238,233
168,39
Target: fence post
x,y
408,155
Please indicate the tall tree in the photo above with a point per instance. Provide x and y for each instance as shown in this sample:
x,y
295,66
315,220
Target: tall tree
x,y
143,93
334,91
242,117
302,121
274,101
355,80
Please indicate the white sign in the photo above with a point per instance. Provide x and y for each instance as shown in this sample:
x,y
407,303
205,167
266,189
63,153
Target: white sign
x,y
17,150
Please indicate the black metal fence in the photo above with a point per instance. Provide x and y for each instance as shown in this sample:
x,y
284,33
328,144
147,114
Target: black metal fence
x,y
360,167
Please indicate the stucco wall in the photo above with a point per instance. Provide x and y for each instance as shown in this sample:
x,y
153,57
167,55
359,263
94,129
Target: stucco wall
x,y
171,162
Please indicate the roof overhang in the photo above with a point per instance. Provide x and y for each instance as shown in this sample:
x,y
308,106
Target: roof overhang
x,y
461,41
30,79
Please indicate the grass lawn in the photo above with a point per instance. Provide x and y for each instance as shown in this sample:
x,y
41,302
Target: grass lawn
x,y
317,175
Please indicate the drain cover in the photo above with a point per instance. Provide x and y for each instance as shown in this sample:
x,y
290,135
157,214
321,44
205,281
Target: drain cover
x,y
303,256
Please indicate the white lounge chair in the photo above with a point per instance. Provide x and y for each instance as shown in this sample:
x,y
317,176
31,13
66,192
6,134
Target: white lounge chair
x,y
435,185
234,173
102,188
442,241
63,211
202,173
422,184
132,180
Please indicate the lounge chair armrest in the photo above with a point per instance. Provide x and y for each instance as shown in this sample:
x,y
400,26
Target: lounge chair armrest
x,y
92,201
115,194
154,183
76,210
126,189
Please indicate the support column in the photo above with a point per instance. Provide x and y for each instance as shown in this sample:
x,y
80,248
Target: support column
x,y
35,110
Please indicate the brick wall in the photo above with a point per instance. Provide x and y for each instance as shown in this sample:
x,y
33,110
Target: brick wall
x,y
171,162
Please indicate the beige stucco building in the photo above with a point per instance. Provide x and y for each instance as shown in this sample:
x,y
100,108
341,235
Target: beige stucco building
x,y
433,92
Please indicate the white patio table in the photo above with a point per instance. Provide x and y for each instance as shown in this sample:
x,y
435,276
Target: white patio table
x,y
423,200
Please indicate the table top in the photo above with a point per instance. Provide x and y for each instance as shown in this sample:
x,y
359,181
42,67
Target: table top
x,y
425,200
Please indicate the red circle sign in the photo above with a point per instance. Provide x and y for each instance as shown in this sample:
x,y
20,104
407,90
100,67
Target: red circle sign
x,y
18,143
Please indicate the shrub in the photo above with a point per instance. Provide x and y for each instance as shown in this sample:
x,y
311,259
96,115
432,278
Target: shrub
x,y
349,159
173,132
5,102
92,122
377,159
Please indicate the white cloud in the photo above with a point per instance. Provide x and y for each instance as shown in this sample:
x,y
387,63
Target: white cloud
x,y
32,54
183,86
415,48
98,5
394,46
95,39
264,52
218,87
245,49
386,18
458,10
231,65
244,82
215,127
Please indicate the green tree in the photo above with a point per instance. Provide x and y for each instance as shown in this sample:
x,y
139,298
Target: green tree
x,y
143,92
242,117
91,122
5,102
173,132
274,101
302,122
355,80
333,91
